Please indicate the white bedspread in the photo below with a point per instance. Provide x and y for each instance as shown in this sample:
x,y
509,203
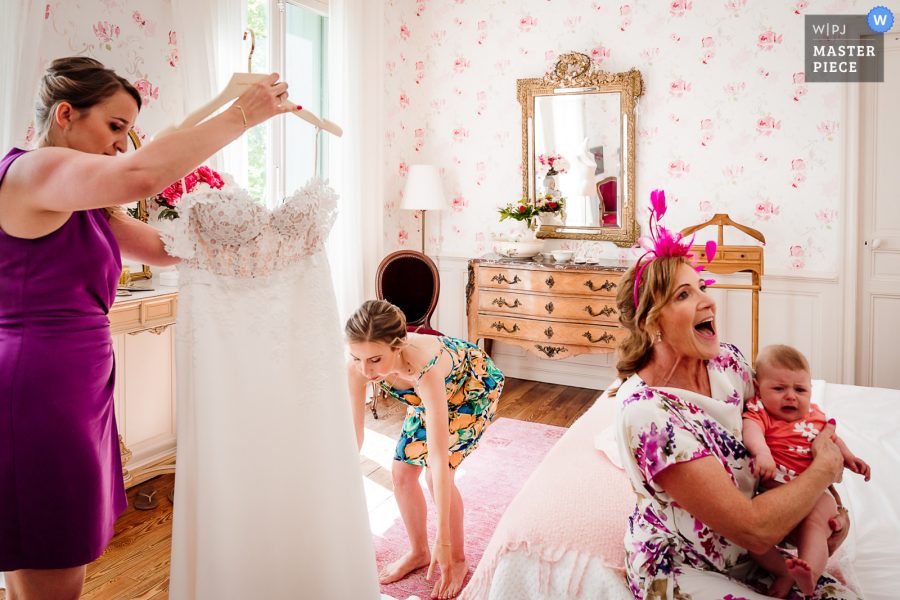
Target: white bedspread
x,y
868,420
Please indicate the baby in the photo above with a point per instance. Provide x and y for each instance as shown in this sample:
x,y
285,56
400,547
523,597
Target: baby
x,y
779,427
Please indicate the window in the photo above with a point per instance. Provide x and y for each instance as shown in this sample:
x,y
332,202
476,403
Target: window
x,y
291,39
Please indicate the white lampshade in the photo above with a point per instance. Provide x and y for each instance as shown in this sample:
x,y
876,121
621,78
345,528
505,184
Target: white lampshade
x,y
423,190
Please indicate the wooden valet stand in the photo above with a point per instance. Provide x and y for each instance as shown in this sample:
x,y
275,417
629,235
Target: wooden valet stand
x,y
735,259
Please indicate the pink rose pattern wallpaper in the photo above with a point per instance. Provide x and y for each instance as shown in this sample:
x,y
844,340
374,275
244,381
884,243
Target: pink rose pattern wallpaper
x,y
726,124
137,39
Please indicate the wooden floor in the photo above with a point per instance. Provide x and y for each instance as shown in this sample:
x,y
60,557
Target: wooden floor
x,y
135,566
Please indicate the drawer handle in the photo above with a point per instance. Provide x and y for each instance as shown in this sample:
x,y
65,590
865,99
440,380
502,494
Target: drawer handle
x,y
605,338
501,326
607,286
549,281
606,311
549,307
501,278
551,351
153,330
549,332
501,302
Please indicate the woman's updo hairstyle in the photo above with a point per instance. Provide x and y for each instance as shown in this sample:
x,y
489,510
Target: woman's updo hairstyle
x,y
377,321
82,82
654,292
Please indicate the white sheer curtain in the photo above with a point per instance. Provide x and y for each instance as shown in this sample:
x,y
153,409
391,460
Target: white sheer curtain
x,y
20,70
355,95
211,50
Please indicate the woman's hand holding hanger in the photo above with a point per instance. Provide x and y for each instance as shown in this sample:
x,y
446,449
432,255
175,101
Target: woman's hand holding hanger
x,y
262,101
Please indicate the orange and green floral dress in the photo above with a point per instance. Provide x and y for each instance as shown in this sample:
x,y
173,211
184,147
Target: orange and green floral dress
x,y
473,389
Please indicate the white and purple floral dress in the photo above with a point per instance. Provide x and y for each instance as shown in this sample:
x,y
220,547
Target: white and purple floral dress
x,y
669,553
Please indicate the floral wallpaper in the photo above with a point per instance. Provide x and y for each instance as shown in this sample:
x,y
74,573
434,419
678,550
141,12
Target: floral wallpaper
x,y
135,38
726,123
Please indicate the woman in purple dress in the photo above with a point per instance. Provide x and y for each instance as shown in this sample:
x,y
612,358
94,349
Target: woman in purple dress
x,y
61,486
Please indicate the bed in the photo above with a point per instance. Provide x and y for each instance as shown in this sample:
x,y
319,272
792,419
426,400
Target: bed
x,y
561,536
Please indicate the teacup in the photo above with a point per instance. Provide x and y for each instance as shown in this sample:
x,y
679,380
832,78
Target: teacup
x,y
562,255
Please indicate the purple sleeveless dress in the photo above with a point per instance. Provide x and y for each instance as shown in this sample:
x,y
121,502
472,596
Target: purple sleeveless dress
x,y
61,484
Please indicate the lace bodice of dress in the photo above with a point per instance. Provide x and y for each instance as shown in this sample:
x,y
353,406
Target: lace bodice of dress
x,y
228,233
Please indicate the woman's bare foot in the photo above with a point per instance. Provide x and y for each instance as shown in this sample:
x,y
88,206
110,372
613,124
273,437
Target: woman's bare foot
x,y
781,587
403,566
802,573
457,575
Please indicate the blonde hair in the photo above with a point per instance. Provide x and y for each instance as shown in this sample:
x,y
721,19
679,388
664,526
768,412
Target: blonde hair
x,y
654,291
781,356
80,81
377,321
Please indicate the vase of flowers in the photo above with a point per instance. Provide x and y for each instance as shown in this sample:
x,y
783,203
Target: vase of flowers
x,y
522,244
551,209
521,210
167,200
555,165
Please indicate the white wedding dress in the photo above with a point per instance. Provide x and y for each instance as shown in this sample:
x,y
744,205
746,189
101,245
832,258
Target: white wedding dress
x,y
269,500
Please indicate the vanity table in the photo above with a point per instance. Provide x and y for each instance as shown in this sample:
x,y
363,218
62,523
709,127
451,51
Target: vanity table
x,y
553,310
143,332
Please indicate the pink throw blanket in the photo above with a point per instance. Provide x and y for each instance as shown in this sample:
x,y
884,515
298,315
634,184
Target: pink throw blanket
x,y
576,500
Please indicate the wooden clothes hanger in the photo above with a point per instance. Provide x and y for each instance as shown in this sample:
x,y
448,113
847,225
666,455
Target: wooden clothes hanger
x,y
722,220
236,86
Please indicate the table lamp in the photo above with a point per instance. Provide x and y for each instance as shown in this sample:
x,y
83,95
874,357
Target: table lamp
x,y
423,191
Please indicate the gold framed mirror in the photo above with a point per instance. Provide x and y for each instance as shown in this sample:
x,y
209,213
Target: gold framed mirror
x,y
578,141
138,210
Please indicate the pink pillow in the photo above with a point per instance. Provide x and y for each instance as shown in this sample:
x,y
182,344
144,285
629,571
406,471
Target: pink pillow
x,y
576,500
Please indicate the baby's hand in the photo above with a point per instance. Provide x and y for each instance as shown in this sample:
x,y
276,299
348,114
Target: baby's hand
x,y
765,466
858,465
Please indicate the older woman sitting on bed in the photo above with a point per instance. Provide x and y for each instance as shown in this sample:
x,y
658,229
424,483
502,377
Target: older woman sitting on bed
x,y
679,425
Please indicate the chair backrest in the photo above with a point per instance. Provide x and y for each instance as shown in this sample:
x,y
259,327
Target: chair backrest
x,y
409,280
606,189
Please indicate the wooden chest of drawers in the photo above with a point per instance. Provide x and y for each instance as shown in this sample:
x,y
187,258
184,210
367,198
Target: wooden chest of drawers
x,y
552,310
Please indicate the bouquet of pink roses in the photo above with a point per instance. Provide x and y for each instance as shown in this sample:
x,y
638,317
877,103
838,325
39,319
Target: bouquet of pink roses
x,y
168,199
555,163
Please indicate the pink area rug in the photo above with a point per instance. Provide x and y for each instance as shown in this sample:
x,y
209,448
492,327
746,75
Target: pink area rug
x,y
488,480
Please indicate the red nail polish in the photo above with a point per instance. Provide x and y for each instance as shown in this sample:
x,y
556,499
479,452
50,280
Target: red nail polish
x,y
832,421
299,107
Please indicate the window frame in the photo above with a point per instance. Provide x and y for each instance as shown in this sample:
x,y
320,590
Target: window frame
x,y
276,177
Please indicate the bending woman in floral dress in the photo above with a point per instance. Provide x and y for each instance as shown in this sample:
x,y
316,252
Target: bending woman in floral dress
x,y
679,428
452,389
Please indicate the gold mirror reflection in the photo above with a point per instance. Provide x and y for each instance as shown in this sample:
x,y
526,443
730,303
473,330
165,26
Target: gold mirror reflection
x,y
138,210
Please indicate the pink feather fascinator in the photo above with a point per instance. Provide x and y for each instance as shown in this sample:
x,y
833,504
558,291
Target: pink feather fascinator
x,y
662,243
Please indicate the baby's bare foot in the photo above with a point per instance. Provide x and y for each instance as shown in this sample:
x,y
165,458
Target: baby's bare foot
x,y
455,579
802,573
403,566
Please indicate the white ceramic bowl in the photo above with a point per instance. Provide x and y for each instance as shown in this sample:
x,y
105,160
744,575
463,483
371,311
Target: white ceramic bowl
x,y
523,249
562,255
